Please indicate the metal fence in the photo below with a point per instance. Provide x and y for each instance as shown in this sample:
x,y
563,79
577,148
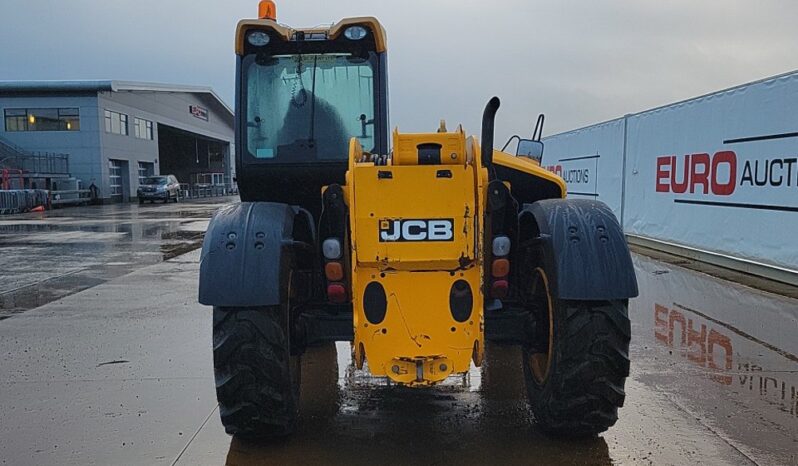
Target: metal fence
x,y
39,163
22,200
70,197
196,191
13,156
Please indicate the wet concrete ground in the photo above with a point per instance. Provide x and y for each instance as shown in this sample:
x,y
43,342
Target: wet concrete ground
x,y
49,255
121,373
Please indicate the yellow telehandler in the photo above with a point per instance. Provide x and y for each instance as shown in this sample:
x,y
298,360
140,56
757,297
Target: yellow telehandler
x,y
417,248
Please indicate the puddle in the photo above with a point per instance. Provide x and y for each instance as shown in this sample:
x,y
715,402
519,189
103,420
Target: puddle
x,y
43,292
65,251
728,351
350,417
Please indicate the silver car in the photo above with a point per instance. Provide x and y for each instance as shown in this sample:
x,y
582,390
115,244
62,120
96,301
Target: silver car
x,y
162,187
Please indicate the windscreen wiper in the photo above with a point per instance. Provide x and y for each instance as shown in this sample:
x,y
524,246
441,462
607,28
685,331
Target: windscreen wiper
x,y
313,98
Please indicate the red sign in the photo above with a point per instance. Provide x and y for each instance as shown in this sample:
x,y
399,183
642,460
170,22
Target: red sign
x,y
199,112
698,172
720,174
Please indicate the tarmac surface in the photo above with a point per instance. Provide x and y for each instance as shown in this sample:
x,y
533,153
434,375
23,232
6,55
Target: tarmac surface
x,y
47,256
115,367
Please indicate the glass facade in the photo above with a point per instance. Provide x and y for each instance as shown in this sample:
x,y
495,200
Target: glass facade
x,y
42,119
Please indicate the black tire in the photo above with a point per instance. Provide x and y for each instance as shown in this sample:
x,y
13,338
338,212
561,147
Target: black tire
x,y
576,387
257,378
141,201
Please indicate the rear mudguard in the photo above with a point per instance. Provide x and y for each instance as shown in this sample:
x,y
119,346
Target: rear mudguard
x,y
584,248
246,250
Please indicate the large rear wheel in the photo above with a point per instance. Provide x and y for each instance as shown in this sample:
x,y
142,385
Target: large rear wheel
x,y
257,377
577,362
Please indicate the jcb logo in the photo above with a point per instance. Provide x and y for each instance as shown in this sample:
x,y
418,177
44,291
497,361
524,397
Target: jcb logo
x,y
441,229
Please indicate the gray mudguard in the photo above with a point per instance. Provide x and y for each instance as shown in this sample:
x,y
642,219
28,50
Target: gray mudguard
x,y
246,248
584,249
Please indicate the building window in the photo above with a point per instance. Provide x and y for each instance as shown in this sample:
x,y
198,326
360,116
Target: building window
x,y
16,120
116,123
146,169
115,178
42,119
69,119
142,128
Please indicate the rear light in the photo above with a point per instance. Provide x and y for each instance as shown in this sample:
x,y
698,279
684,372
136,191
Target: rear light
x,y
501,267
334,271
336,293
501,246
499,289
337,285
331,248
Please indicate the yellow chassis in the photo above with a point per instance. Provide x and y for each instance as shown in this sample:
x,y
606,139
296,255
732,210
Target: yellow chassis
x,y
419,341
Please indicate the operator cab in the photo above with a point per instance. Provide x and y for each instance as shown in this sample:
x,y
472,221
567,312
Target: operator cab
x,y
301,95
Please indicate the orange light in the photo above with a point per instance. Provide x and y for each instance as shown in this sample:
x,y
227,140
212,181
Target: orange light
x,y
31,119
501,267
334,271
267,10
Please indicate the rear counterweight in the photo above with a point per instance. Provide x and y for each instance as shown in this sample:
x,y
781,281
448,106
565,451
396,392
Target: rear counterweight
x,y
418,320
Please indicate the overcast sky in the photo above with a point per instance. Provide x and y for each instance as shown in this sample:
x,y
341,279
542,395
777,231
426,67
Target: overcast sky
x,y
580,61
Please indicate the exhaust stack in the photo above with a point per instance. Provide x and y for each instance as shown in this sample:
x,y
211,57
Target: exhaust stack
x,y
488,119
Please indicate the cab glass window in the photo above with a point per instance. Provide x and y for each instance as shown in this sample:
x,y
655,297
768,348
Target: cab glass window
x,y
306,107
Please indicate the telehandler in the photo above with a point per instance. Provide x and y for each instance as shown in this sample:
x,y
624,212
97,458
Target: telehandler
x,y
417,248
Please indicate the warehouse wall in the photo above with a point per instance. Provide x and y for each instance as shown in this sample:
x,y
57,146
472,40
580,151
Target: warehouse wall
x,y
717,174
169,108
82,146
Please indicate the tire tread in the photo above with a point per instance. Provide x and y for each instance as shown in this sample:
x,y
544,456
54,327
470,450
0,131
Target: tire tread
x,y
585,387
253,380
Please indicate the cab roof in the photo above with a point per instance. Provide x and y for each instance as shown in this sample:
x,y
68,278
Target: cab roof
x,y
332,32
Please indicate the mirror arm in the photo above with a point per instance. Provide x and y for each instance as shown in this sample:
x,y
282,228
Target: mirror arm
x,y
363,123
537,134
514,136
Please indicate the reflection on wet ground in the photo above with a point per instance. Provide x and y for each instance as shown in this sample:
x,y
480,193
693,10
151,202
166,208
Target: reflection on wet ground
x,y
349,417
50,255
714,380
122,373
728,354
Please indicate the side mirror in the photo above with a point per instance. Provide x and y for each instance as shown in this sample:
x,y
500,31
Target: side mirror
x,y
529,148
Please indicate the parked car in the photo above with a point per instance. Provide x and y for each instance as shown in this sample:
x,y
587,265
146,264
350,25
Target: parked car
x,y
162,187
